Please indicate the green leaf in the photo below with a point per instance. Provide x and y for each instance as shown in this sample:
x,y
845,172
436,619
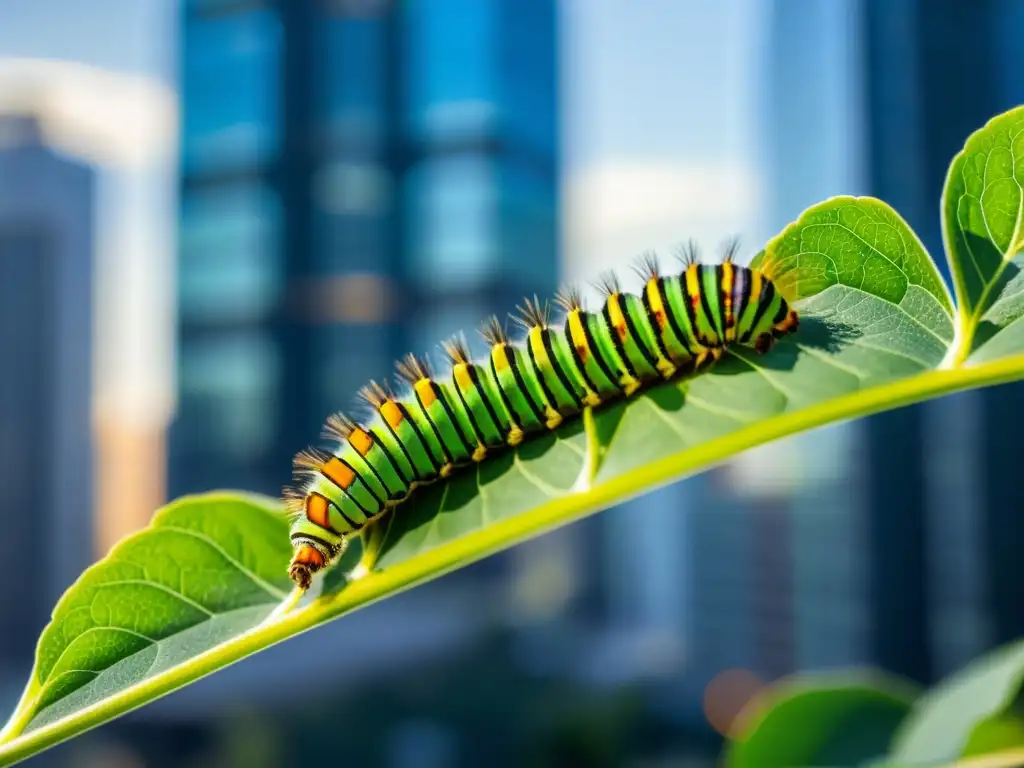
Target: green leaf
x,y
983,226
833,720
970,713
876,328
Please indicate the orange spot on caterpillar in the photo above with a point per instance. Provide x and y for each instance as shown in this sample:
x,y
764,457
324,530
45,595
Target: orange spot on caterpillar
x,y
391,412
318,511
425,390
308,555
339,473
361,441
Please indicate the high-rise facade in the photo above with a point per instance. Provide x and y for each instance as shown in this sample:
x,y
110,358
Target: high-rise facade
x,y
359,180
943,499
903,560
46,354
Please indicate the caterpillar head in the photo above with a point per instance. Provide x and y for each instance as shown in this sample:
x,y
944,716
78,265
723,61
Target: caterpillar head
x,y
315,541
778,318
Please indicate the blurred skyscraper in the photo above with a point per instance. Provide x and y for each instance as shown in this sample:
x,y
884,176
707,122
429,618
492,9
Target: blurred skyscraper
x,y
360,179
903,559
946,489
46,354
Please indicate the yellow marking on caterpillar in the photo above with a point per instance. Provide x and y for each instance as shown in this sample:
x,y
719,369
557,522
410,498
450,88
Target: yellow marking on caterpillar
x,y
515,435
591,398
693,285
665,367
655,303
554,418
616,316
536,341
755,285
726,289
500,356
578,334
425,390
462,377
391,412
339,473
480,452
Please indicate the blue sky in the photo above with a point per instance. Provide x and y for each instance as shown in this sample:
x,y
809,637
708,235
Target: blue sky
x,y
125,35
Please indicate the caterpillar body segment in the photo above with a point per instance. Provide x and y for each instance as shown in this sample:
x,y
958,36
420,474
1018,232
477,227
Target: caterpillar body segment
x,y
677,323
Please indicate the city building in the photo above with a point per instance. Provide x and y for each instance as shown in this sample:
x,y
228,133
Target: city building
x,y
359,180
46,353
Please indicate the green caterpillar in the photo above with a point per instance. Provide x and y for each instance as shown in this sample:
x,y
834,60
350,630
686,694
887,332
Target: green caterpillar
x,y
680,324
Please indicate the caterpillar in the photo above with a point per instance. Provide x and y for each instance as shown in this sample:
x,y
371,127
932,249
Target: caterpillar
x,y
679,324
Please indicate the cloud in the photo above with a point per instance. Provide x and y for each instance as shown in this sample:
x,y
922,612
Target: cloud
x,y
617,209
107,118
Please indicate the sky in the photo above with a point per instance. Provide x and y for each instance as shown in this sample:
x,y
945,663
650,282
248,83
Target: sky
x,y
652,154
666,135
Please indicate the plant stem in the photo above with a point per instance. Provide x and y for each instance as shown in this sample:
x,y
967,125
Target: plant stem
x,y
474,546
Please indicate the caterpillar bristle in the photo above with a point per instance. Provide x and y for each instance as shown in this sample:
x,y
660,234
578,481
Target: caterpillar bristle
x,y
730,249
456,349
375,394
411,430
294,499
647,267
310,460
608,284
569,299
533,314
338,427
688,253
494,332
412,368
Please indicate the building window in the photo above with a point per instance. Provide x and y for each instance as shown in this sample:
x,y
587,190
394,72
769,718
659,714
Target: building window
x,y
346,358
450,69
229,269
528,212
529,71
353,85
351,217
231,91
453,229
229,391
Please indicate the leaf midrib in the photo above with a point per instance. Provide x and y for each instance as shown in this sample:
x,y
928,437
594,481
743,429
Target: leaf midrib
x,y
503,533
970,322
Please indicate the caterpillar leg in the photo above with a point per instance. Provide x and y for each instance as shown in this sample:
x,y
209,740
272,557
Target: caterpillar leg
x,y
707,358
764,343
309,558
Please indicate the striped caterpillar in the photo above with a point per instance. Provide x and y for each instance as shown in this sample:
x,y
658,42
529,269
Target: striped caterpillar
x,y
681,324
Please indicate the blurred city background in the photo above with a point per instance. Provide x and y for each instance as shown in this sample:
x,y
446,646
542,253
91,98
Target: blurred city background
x,y
219,217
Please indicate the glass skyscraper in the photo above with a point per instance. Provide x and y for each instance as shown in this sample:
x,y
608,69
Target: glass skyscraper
x,y
47,261
359,179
